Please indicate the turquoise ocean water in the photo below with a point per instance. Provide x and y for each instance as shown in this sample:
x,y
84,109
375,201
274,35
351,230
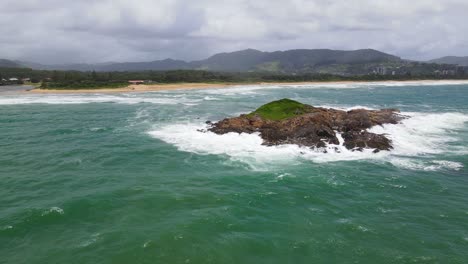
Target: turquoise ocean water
x,y
127,178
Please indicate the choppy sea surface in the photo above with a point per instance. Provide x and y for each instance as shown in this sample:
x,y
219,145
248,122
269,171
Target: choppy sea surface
x,y
127,178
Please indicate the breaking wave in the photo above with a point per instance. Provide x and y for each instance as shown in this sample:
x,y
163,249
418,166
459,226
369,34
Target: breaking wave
x,y
99,98
197,96
421,135
251,89
53,210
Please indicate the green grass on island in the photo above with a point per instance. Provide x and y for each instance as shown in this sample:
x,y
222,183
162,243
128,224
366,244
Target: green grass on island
x,y
281,109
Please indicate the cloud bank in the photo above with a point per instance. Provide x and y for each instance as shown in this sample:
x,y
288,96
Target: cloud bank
x,y
64,31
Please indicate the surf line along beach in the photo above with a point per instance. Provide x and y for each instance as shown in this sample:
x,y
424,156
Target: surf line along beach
x,y
197,86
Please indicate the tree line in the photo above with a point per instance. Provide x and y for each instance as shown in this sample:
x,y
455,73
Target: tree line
x,y
92,79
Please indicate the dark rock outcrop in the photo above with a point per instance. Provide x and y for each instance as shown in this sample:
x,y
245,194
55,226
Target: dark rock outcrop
x,y
315,127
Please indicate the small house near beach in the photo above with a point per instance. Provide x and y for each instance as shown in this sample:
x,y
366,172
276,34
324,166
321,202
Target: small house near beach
x,y
136,82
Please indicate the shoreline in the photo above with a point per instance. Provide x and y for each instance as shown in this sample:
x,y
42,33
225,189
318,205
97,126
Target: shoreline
x,y
199,86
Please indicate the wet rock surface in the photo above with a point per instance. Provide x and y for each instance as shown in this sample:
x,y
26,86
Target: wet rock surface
x,y
314,127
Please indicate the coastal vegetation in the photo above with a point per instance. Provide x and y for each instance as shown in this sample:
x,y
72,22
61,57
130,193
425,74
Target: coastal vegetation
x,y
281,109
94,80
82,84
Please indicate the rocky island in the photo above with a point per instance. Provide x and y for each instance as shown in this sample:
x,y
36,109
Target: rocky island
x,y
290,122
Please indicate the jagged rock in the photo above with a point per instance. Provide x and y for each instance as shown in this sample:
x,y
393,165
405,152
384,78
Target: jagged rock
x,y
290,122
364,139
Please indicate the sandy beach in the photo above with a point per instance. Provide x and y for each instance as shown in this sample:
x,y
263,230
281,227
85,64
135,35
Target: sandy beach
x,y
138,88
193,86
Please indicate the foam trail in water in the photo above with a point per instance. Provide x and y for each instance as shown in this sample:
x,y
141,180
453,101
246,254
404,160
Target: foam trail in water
x,y
179,97
97,98
424,133
242,147
252,89
52,210
248,148
419,135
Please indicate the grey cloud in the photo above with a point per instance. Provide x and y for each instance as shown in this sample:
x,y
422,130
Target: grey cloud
x,y
53,31
357,28
185,21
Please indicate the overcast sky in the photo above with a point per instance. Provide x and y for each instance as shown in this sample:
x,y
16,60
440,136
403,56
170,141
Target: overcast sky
x,y
63,31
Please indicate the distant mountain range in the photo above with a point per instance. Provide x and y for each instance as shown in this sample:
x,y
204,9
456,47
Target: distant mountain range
x,y
245,60
10,64
461,61
291,61
301,60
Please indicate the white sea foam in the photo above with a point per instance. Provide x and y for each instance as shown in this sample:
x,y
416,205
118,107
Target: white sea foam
x,y
421,135
96,129
52,210
439,164
248,148
6,227
210,98
346,108
252,89
283,175
97,98
94,238
147,243
433,165
180,97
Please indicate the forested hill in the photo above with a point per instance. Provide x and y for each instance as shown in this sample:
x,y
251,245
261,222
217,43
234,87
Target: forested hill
x,y
301,60
9,64
461,61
